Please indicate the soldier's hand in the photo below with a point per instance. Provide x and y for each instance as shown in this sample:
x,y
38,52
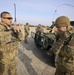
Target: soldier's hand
x,y
17,28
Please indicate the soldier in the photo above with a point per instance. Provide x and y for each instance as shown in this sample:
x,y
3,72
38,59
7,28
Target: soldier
x,y
39,30
9,38
64,47
26,28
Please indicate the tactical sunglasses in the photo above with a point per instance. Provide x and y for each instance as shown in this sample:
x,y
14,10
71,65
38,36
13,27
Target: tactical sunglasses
x,y
9,18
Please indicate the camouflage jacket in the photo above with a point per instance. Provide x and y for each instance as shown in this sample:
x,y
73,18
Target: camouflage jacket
x,y
8,39
65,51
39,31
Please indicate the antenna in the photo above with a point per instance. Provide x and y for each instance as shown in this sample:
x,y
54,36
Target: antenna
x,y
14,14
59,7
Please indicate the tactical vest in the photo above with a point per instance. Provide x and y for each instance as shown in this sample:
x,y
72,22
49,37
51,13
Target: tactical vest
x,y
8,40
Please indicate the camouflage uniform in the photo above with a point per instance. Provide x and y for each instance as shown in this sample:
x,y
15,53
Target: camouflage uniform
x,y
64,47
26,28
39,30
8,50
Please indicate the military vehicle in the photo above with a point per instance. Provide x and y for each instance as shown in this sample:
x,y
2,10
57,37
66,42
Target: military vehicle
x,y
45,42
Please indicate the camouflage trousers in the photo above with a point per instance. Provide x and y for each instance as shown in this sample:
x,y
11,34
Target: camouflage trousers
x,y
7,63
59,72
26,37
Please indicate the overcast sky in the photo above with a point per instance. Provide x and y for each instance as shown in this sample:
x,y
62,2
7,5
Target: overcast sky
x,y
38,11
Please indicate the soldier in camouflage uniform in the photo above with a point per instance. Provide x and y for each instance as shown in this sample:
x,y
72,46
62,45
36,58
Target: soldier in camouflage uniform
x,y
9,38
39,30
26,28
64,47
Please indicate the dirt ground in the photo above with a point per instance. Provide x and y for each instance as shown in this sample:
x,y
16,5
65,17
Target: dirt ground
x,y
33,61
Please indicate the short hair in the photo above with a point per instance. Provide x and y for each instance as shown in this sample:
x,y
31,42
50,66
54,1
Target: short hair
x,y
4,13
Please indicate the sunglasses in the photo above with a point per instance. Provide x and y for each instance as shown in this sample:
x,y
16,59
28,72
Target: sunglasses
x,y
9,18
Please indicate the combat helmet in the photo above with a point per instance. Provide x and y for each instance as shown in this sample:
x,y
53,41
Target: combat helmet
x,y
62,21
